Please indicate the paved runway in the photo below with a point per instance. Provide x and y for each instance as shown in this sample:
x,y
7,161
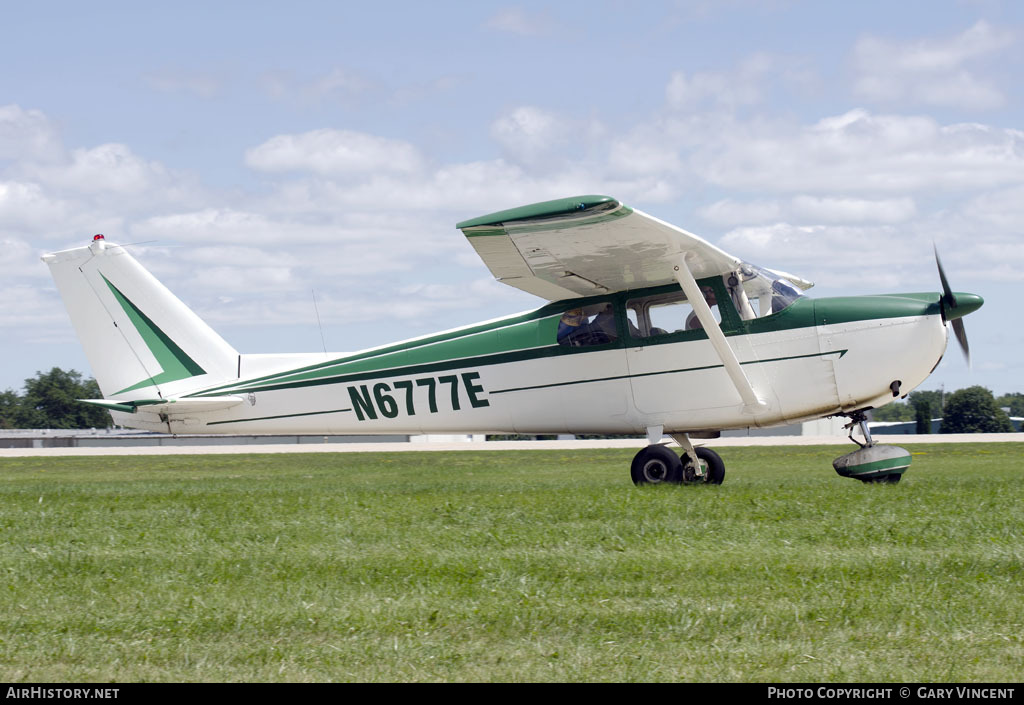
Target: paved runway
x,y
501,445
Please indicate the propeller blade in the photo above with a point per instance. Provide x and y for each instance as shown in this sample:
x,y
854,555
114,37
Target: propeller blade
x,y
961,337
948,302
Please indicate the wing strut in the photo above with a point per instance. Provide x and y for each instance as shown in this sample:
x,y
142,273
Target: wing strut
x,y
751,404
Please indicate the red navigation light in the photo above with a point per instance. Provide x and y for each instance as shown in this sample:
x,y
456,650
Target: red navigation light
x,y
97,237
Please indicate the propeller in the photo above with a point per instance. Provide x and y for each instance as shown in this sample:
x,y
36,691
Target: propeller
x,y
949,305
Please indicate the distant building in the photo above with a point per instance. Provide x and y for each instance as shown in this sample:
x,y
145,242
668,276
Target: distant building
x,y
114,437
886,428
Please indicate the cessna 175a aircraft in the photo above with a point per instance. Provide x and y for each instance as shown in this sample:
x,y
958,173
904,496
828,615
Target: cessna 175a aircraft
x,y
648,329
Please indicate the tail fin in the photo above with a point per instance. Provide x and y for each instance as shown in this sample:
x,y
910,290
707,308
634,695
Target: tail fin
x,y
140,339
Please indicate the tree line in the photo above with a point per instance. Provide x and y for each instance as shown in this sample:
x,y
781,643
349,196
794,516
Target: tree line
x,y
971,410
50,400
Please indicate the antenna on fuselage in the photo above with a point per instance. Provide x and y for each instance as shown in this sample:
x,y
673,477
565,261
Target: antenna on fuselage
x,y
318,324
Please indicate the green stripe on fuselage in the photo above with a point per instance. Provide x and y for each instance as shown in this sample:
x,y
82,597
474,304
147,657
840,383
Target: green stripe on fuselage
x,y
516,338
532,335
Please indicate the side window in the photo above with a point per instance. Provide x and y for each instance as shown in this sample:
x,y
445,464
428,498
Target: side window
x,y
665,314
670,316
588,325
633,322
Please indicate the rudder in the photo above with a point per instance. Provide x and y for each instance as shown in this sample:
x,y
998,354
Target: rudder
x,y
140,339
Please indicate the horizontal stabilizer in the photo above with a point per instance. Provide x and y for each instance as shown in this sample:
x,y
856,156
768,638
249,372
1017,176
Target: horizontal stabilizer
x,y
168,406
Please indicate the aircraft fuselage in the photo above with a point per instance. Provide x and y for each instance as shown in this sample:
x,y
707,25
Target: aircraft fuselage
x,y
817,357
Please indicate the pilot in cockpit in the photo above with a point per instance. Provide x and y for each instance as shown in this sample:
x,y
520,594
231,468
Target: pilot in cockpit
x,y
692,322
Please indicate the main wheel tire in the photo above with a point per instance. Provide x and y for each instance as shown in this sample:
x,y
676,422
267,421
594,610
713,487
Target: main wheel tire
x,y
714,468
655,465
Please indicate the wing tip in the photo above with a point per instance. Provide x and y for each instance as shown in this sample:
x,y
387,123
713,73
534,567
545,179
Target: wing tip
x,y
544,209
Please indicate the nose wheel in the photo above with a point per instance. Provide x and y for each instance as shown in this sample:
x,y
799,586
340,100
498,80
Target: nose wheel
x,y
871,462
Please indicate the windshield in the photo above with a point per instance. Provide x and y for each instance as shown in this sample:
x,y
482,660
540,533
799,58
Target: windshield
x,y
760,291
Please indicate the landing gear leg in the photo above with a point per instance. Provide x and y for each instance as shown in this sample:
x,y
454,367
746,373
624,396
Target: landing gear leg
x,y
700,465
860,420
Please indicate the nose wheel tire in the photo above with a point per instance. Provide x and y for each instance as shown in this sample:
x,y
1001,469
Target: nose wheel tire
x,y
656,465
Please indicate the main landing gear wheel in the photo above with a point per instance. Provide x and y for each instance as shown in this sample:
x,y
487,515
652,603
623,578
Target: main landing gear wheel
x,y
710,470
655,465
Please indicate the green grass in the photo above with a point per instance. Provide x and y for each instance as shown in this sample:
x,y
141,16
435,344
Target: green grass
x,y
526,565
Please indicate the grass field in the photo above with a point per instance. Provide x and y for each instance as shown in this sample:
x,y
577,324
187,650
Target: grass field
x,y
515,566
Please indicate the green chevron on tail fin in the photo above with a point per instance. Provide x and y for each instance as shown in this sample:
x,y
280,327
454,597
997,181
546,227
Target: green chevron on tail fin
x,y
175,362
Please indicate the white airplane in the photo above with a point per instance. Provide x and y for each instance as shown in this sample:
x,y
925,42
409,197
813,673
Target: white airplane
x,y
648,329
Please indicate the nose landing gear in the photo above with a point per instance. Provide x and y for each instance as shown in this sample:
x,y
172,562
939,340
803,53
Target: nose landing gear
x,y
871,462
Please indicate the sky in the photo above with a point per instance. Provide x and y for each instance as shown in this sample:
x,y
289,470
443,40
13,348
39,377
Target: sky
x,y
276,162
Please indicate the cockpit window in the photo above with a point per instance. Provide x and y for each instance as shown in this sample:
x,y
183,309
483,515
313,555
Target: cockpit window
x,y
758,292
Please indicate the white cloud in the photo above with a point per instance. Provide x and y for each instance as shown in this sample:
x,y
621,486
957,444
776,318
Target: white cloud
x,y
1002,210
731,212
426,306
25,309
334,152
991,261
515,20
643,153
28,135
236,255
697,90
810,209
856,257
546,141
19,261
461,190
352,88
881,257
853,210
24,205
106,168
235,278
862,152
229,226
930,71
340,84
749,83
287,252
529,131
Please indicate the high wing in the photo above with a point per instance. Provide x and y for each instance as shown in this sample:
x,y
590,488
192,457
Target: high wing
x,y
588,245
